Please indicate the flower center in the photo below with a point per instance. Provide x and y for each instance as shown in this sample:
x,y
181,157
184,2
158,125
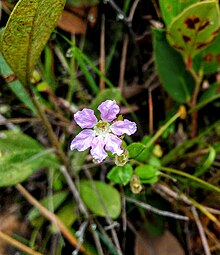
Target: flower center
x,y
102,128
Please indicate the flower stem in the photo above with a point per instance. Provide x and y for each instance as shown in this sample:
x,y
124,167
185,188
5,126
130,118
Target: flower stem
x,y
189,176
162,129
198,79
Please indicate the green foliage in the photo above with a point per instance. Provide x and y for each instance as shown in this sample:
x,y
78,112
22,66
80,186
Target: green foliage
x,y
66,215
101,198
121,174
206,162
171,69
194,29
138,151
16,86
209,59
53,201
21,156
147,173
26,33
171,8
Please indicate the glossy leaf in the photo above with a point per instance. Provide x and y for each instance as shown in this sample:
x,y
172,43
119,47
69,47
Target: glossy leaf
x,y
171,69
194,29
147,173
138,151
209,59
121,174
26,33
101,198
171,8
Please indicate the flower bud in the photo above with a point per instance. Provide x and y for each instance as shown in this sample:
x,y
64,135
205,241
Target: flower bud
x,y
182,112
135,185
121,160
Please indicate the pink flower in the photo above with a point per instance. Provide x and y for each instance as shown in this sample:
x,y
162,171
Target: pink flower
x,y
102,135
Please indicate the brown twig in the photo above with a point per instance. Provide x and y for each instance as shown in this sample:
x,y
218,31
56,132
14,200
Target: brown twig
x,y
51,217
17,244
201,231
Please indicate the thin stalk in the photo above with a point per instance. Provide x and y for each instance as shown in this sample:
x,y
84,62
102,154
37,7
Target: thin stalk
x,y
17,244
198,80
51,217
191,177
72,74
162,129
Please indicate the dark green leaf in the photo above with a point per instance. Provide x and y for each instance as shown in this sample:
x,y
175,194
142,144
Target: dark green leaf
x,y
16,86
175,79
138,151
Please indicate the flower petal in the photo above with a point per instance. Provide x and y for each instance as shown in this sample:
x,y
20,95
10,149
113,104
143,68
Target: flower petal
x,y
97,151
83,140
121,127
113,144
109,109
85,118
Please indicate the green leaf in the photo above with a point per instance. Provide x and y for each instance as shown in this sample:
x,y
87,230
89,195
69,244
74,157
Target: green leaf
x,y
18,166
147,173
138,151
26,33
121,174
175,79
15,141
209,59
101,198
194,29
16,86
171,8
56,200
90,79
206,162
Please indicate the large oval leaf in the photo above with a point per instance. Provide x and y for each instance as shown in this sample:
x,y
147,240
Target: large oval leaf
x,y
194,29
101,199
27,32
175,79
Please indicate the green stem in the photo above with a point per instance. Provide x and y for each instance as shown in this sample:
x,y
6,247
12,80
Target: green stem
x,y
191,177
72,76
162,129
